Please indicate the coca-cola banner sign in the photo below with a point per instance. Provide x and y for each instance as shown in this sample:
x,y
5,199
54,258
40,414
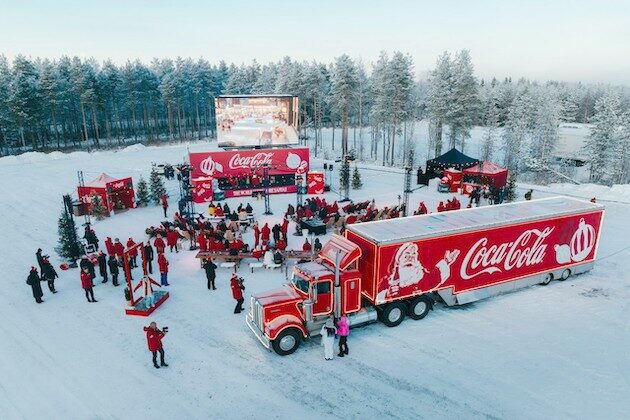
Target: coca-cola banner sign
x,y
483,258
246,162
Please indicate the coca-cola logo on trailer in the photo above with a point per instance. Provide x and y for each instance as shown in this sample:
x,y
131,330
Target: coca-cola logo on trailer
x,y
528,249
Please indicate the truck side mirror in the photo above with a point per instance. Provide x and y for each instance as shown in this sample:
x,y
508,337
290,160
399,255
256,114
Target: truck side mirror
x,y
314,291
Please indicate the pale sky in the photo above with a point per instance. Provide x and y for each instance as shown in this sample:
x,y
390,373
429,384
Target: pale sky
x,y
561,40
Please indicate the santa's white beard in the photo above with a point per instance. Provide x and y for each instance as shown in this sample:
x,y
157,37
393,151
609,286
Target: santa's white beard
x,y
408,275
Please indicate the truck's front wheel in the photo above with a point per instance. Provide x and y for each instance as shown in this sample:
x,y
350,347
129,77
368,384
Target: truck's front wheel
x,y
287,341
393,314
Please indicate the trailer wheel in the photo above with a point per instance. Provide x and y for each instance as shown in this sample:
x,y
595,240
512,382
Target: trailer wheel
x,y
419,307
565,274
547,279
287,341
393,314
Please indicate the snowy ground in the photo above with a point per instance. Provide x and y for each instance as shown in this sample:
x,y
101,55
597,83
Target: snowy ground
x,y
545,352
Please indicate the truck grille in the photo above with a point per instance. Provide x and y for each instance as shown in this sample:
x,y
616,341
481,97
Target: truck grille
x,y
257,314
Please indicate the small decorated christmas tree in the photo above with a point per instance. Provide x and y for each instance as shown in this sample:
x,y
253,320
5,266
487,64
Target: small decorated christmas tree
x,y
511,187
156,187
142,193
68,246
356,179
98,209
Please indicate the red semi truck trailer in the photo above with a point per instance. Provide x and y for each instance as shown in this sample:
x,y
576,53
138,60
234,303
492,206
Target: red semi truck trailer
x,y
387,270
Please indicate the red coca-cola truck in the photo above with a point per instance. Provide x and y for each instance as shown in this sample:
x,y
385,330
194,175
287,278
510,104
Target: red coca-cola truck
x,y
387,270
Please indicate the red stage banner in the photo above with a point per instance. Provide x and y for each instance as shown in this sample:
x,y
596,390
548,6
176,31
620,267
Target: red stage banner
x,y
315,183
245,162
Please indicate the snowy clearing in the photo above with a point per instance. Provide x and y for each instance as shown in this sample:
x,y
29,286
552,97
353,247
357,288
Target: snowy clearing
x,y
545,352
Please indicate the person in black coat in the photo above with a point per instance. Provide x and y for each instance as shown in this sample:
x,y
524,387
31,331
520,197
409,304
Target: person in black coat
x,y
102,266
113,269
211,274
33,280
276,229
148,256
40,259
49,274
249,209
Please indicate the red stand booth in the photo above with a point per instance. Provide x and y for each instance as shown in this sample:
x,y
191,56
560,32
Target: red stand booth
x,y
485,173
240,173
114,193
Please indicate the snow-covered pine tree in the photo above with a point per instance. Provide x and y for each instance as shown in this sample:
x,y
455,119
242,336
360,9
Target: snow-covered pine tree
x,y
356,179
400,76
492,127
142,193
98,208
156,187
606,147
343,92
511,187
544,136
68,246
517,129
464,101
438,98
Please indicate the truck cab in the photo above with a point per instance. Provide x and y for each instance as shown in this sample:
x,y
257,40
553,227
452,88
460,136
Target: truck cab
x,y
318,290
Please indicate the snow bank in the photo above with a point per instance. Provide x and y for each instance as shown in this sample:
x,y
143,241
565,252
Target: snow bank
x,y
134,148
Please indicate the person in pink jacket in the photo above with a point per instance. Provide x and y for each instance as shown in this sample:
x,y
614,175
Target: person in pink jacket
x,y
343,330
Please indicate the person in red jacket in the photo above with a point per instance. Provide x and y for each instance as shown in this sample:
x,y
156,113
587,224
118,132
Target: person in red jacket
x,y
133,254
119,250
306,246
159,244
86,284
256,230
163,264
284,229
237,292
218,212
265,232
202,242
441,207
164,204
109,244
281,245
171,239
154,341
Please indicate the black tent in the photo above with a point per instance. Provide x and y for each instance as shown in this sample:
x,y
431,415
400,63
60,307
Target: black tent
x,y
451,159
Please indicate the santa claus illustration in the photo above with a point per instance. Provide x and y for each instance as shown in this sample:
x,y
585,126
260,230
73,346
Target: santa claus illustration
x,y
407,274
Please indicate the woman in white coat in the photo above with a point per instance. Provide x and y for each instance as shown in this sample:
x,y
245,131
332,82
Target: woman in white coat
x,y
328,339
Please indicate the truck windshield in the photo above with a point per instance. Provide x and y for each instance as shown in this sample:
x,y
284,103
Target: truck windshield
x,y
300,283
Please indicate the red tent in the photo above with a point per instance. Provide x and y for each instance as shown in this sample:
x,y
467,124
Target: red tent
x,y
115,193
487,173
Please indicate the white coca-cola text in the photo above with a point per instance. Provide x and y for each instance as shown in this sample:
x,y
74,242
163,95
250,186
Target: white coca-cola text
x,y
238,161
528,249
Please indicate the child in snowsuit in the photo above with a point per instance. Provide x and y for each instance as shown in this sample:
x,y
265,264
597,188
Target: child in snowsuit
x,y
328,332
343,330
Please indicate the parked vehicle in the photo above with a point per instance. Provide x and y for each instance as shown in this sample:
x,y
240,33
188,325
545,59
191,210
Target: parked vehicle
x,y
387,270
